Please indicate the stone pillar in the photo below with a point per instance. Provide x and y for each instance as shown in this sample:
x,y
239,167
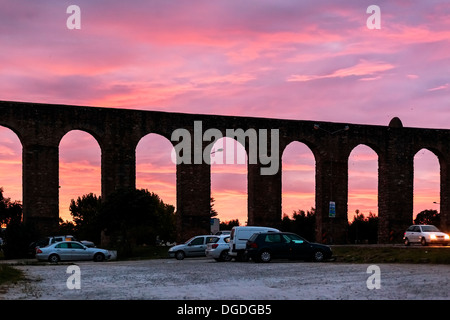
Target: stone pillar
x,y
41,187
395,196
331,186
445,197
264,197
118,168
193,200
395,184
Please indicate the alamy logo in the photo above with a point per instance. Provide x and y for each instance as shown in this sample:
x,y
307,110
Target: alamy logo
x,y
74,20
374,21
74,280
190,149
374,280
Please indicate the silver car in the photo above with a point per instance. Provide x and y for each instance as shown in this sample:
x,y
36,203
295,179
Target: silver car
x,y
70,250
194,247
219,250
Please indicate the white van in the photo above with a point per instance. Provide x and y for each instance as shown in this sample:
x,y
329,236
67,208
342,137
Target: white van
x,y
239,237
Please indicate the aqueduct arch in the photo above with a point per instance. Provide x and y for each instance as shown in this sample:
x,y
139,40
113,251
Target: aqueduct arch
x,y
40,127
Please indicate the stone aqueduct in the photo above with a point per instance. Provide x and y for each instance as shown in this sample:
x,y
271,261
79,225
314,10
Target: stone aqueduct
x,y
40,128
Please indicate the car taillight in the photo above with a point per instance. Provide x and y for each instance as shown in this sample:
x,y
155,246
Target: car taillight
x,y
253,245
38,250
215,245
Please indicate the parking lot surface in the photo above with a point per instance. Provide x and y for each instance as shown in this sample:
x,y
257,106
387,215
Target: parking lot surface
x,y
201,278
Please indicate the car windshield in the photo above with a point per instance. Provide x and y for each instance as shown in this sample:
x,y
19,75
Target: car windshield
x,y
429,229
189,240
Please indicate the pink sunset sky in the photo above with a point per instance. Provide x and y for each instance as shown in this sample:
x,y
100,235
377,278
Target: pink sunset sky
x,y
305,60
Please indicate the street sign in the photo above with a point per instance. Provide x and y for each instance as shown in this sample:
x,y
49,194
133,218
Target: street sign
x,y
332,210
215,225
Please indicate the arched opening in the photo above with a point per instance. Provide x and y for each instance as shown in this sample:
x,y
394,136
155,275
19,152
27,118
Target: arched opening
x,y
155,169
298,179
229,180
363,195
426,182
10,164
362,181
79,169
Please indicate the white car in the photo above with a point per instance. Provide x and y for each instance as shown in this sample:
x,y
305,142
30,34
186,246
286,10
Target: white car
x,y
219,250
70,250
425,234
238,239
194,247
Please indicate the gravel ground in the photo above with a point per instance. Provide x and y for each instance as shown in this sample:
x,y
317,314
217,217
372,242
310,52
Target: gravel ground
x,y
204,279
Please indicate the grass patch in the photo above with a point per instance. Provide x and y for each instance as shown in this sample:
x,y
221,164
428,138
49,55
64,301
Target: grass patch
x,y
375,254
9,274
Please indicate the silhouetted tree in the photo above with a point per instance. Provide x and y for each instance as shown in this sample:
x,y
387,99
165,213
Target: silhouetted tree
x,y
17,236
302,223
363,229
228,225
67,227
428,217
10,211
131,217
85,212
212,211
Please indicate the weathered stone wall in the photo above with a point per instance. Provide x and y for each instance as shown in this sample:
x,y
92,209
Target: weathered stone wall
x,y
40,128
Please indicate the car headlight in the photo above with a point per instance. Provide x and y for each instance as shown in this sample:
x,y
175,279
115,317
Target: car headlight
x,y
446,237
432,236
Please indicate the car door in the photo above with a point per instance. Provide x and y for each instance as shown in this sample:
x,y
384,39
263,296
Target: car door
x,y
409,233
415,234
63,250
298,247
78,252
277,245
196,247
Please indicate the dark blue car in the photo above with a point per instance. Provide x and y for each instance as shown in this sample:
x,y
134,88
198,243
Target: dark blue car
x,y
263,247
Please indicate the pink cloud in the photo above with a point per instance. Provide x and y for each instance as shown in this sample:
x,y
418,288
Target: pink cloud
x,y
363,68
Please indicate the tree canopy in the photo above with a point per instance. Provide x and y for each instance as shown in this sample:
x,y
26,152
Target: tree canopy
x,y
127,217
428,217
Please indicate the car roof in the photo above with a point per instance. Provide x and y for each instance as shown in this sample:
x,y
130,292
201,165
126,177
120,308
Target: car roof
x,y
66,242
274,232
64,235
421,225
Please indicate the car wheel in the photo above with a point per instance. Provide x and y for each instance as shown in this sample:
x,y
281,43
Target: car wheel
x,y
318,256
179,255
407,243
224,256
265,256
99,257
423,241
54,258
